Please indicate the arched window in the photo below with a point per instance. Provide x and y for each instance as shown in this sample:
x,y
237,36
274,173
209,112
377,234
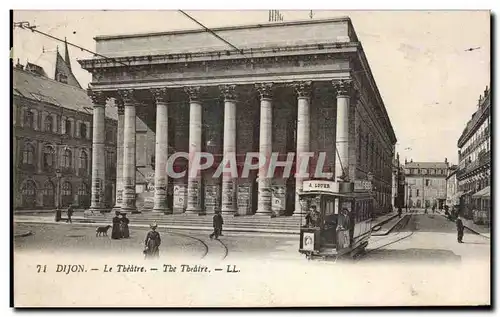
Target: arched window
x,y
68,127
28,119
48,194
28,192
83,130
83,160
67,158
48,157
48,189
48,124
28,153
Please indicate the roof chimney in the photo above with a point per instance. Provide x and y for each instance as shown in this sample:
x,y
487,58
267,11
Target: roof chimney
x,y
446,160
411,160
19,65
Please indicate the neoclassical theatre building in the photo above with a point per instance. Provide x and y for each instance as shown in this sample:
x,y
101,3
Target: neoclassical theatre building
x,y
290,87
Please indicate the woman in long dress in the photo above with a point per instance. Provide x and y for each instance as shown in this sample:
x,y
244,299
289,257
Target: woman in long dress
x,y
152,243
124,226
116,232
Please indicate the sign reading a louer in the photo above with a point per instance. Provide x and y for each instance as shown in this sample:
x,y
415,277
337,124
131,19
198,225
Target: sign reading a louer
x,y
325,186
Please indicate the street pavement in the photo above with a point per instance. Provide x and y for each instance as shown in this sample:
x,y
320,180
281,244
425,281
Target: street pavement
x,y
416,236
418,262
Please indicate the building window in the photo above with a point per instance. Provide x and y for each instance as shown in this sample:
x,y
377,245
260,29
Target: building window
x,y
28,193
82,190
48,124
83,130
68,127
427,182
28,119
83,160
418,192
48,157
28,153
67,158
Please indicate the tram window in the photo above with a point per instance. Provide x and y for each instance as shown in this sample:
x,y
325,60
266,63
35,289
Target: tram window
x,y
329,207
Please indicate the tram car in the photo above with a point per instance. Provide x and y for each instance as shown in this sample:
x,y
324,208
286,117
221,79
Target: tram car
x,y
337,219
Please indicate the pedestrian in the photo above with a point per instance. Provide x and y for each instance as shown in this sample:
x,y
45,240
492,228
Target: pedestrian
x,y
433,209
124,221
218,221
400,211
69,212
152,243
312,217
116,232
460,229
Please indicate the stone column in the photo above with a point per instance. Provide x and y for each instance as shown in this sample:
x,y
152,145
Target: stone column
x,y
344,90
161,151
98,151
265,147
195,126
228,182
129,159
119,155
303,91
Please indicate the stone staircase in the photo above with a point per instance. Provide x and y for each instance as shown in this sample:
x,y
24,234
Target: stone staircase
x,y
286,224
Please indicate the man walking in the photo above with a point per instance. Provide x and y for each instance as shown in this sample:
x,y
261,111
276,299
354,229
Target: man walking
x,y
217,223
69,212
460,229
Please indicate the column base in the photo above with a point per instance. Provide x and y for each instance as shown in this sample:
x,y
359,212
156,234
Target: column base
x,y
193,211
130,210
165,211
229,211
264,213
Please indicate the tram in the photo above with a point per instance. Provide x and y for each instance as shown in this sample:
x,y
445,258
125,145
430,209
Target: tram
x,y
338,219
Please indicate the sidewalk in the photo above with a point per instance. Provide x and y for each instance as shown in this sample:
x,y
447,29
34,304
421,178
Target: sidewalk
x,y
482,230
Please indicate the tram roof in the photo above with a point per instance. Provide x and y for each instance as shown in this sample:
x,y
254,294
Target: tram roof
x,y
318,192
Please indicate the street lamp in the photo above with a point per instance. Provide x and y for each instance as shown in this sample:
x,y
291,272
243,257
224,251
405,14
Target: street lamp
x,y
58,204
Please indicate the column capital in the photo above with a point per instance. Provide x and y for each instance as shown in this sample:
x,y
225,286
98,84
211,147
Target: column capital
x,y
303,89
126,96
98,97
344,87
159,94
193,92
228,92
265,90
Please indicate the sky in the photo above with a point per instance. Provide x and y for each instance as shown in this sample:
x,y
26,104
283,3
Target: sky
x,y
429,82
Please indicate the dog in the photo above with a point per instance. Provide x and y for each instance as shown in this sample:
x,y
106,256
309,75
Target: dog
x,y
102,231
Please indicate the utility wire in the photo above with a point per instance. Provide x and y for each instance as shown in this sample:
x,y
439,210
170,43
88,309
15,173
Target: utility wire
x,y
26,25
210,31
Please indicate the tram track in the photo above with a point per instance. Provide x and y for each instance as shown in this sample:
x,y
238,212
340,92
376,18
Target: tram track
x,y
399,229
206,248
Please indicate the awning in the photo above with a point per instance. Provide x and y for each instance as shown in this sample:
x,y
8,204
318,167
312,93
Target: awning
x,y
483,193
458,194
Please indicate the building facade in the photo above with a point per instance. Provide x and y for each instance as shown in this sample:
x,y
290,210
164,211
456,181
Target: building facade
x,y
452,193
398,184
52,140
426,184
296,87
474,155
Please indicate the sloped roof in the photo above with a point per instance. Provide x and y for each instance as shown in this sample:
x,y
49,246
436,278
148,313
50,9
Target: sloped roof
x,y
32,86
62,67
426,165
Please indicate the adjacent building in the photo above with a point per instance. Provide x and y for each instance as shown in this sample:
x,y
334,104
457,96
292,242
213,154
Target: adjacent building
x,y
52,139
426,184
474,169
292,87
452,193
398,184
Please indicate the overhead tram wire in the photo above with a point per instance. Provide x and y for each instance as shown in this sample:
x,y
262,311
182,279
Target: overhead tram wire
x,y
211,32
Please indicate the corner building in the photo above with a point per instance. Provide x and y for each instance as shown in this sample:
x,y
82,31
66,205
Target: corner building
x,y
291,87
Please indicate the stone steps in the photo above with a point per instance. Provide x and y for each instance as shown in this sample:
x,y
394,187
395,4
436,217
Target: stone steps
x,y
286,223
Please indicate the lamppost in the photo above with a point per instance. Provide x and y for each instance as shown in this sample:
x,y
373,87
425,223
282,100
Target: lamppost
x,y
58,203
